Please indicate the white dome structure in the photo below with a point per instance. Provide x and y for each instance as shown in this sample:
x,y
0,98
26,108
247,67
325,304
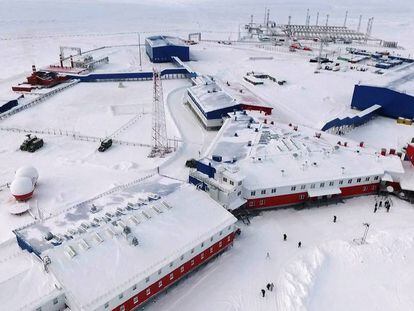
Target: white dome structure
x,y
28,171
22,188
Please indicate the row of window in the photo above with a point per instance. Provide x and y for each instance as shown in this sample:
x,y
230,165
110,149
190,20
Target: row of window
x,y
147,280
231,182
313,186
55,302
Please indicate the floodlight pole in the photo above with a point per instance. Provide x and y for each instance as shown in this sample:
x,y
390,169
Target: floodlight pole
x,y
139,51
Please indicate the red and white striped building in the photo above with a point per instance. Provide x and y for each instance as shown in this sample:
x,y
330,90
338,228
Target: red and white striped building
x,y
120,259
257,163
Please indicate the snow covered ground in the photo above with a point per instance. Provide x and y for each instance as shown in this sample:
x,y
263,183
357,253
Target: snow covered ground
x,y
330,272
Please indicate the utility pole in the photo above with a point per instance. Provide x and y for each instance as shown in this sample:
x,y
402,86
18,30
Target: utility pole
x,y
327,19
317,19
139,51
307,18
359,23
346,17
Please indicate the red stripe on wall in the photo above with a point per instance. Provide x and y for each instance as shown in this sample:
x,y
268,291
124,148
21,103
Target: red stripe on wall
x,y
175,275
297,198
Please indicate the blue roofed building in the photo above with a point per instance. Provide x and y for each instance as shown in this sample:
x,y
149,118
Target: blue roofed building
x,y
160,49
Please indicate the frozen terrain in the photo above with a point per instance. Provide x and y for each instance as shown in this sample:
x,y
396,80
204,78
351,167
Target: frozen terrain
x,y
330,271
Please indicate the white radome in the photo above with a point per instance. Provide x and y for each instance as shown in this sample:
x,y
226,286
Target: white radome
x,y
21,186
29,172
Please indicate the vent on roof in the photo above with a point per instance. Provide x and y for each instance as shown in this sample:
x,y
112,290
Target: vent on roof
x,y
126,230
97,238
158,210
70,252
121,224
146,215
110,232
84,244
166,205
84,226
134,220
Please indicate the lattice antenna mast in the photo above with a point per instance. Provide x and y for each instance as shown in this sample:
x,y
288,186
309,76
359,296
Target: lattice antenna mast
x,y
159,127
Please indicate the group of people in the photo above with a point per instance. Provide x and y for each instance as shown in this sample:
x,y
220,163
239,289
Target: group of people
x,y
379,204
269,287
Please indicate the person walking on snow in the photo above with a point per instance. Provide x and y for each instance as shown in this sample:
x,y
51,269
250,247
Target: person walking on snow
x,y
375,209
267,255
299,244
284,237
271,286
268,286
263,292
334,220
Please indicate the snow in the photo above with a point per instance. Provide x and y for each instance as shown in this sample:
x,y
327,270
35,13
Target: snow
x,y
330,270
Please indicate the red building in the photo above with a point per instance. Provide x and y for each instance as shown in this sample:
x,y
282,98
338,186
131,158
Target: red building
x,y
40,79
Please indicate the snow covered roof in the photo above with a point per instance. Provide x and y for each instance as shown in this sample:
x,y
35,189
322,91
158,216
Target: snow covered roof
x,y
279,155
210,96
104,259
24,284
159,41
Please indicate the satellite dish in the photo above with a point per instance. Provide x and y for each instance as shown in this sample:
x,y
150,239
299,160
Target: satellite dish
x,y
390,189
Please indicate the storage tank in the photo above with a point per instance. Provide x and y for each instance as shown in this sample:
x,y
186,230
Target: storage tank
x,y
29,172
22,188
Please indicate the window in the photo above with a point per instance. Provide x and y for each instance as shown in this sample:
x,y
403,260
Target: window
x,y
182,257
240,183
231,182
251,203
160,284
106,306
148,291
293,188
171,263
350,181
211,250
122,308
274,190
192,262
253,193
303,187
147,280
365,189
331,183
366,178
261,202
135,300
221,232
302,197
134,287
359,180
322,185
224,179
312,186
171,276
202,255
220,244
55,301
202,245
228,239
341,182
182,269
121,296
211,239
376,177
159,272
263,192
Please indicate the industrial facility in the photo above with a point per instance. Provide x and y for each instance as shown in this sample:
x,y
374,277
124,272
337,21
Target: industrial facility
x,y
161,49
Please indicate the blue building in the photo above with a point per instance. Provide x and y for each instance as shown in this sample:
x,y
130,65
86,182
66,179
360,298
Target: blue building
x,y
160,49
393,104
